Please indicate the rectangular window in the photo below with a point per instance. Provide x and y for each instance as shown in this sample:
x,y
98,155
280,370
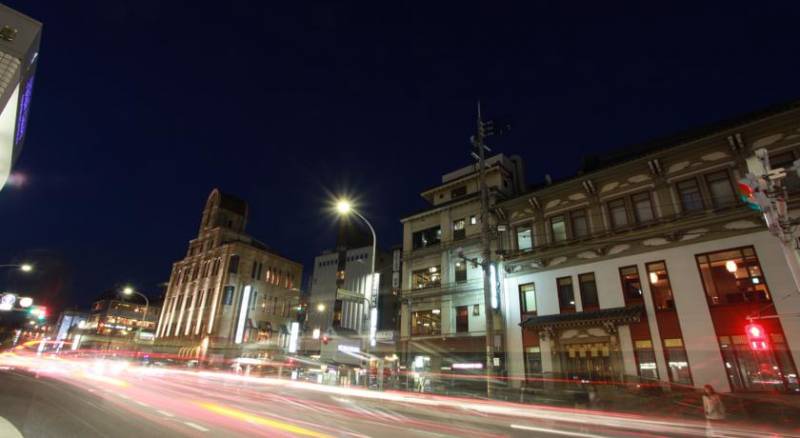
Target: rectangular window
x,y
631,285
428,277
721,189
254,271
733,276
527,298
642,207
253,300
459,229
462,319
646,359
618,213
690,196
473,220
677,362
337,314
566,295
558,228
588,287
227,295
458,192
461,272
215,269
533,362
476,310
428,237
660,286
233,267
580,224
426,323
524,238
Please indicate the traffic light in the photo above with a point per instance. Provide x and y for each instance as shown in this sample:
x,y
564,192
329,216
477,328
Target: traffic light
x,y
756,337
747,194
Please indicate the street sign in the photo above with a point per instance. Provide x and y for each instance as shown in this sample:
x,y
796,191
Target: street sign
x,y
346,295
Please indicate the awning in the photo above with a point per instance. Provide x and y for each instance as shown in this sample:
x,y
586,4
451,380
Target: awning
x,y
614,315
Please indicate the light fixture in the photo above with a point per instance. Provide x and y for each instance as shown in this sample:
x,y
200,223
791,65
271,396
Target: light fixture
x,y
756,280
320,307
343,206
653,278
26,267
127,290
433,269
730,265
436,311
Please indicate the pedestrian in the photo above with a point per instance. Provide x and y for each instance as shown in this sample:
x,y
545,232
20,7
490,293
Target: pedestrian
x,y
713,408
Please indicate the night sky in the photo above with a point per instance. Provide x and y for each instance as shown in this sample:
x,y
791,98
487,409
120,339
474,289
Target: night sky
x,y
141,109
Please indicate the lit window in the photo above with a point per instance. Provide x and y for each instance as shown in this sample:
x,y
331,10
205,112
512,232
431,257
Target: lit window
x,y
459,229
733,277
527,298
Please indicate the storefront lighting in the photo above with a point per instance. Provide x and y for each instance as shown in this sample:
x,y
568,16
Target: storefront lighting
x,y
730,265
468,366
432,269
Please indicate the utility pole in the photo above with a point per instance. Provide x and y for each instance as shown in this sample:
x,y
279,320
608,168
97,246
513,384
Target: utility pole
x,y
486,243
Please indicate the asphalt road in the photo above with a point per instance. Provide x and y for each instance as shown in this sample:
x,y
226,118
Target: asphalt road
x,y
60,399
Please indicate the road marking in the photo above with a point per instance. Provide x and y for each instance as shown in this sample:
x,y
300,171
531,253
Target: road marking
x,y
142,404
554,431
261,421
196,426
165,413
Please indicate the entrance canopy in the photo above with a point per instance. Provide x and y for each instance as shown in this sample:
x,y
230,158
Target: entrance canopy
x,y
614,315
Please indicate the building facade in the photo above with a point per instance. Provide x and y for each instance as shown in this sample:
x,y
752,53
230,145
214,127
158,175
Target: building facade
x,y
116,321
442,320
231,295
646,266
19,52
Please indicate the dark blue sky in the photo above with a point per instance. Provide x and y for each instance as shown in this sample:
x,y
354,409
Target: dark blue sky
x,y
141,108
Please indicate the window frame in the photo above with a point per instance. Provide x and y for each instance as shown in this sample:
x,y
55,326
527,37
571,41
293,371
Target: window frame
x,y
652,292
635,210
583,214
460,233
631,301
763,278
523,299
521,228
569,308
465,324
596,305
714,202
681,202
551,222
615,226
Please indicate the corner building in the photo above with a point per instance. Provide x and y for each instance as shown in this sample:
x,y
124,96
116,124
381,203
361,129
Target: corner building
x,y
230,296
646,265
442,319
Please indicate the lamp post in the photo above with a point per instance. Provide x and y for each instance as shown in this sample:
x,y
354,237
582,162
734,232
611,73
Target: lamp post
x,y
344,207
128,291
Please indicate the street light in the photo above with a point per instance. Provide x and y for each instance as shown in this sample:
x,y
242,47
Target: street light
x,y
345,207
24,267
128,291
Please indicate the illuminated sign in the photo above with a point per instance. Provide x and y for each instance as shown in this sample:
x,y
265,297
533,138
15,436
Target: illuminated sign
x,y
468,366
348,349
495,285
242,314
24,110
7,302
293,337
315,333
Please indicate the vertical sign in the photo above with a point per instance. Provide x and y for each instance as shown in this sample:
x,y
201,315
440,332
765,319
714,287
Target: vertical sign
x,y
373,313
293,337
242,314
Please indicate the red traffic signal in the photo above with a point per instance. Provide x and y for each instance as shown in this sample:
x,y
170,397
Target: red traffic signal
x,y
756,337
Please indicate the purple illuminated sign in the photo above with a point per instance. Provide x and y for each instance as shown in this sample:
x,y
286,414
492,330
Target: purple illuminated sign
x,y
24,107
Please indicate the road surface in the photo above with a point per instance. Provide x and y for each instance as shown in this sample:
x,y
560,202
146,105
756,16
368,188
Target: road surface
x,y
50,397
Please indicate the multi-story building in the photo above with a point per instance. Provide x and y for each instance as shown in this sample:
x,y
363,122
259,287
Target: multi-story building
x,y
116,320
19,51
645,265
442,320
230,295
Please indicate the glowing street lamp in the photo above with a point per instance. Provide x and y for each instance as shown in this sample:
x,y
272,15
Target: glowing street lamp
x,y
24,267
128,291
345,207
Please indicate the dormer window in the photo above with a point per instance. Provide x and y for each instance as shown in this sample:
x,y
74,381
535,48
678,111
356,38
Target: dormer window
x,y
458,192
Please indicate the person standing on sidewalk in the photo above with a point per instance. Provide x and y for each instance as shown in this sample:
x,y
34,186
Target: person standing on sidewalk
x,y
713,408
